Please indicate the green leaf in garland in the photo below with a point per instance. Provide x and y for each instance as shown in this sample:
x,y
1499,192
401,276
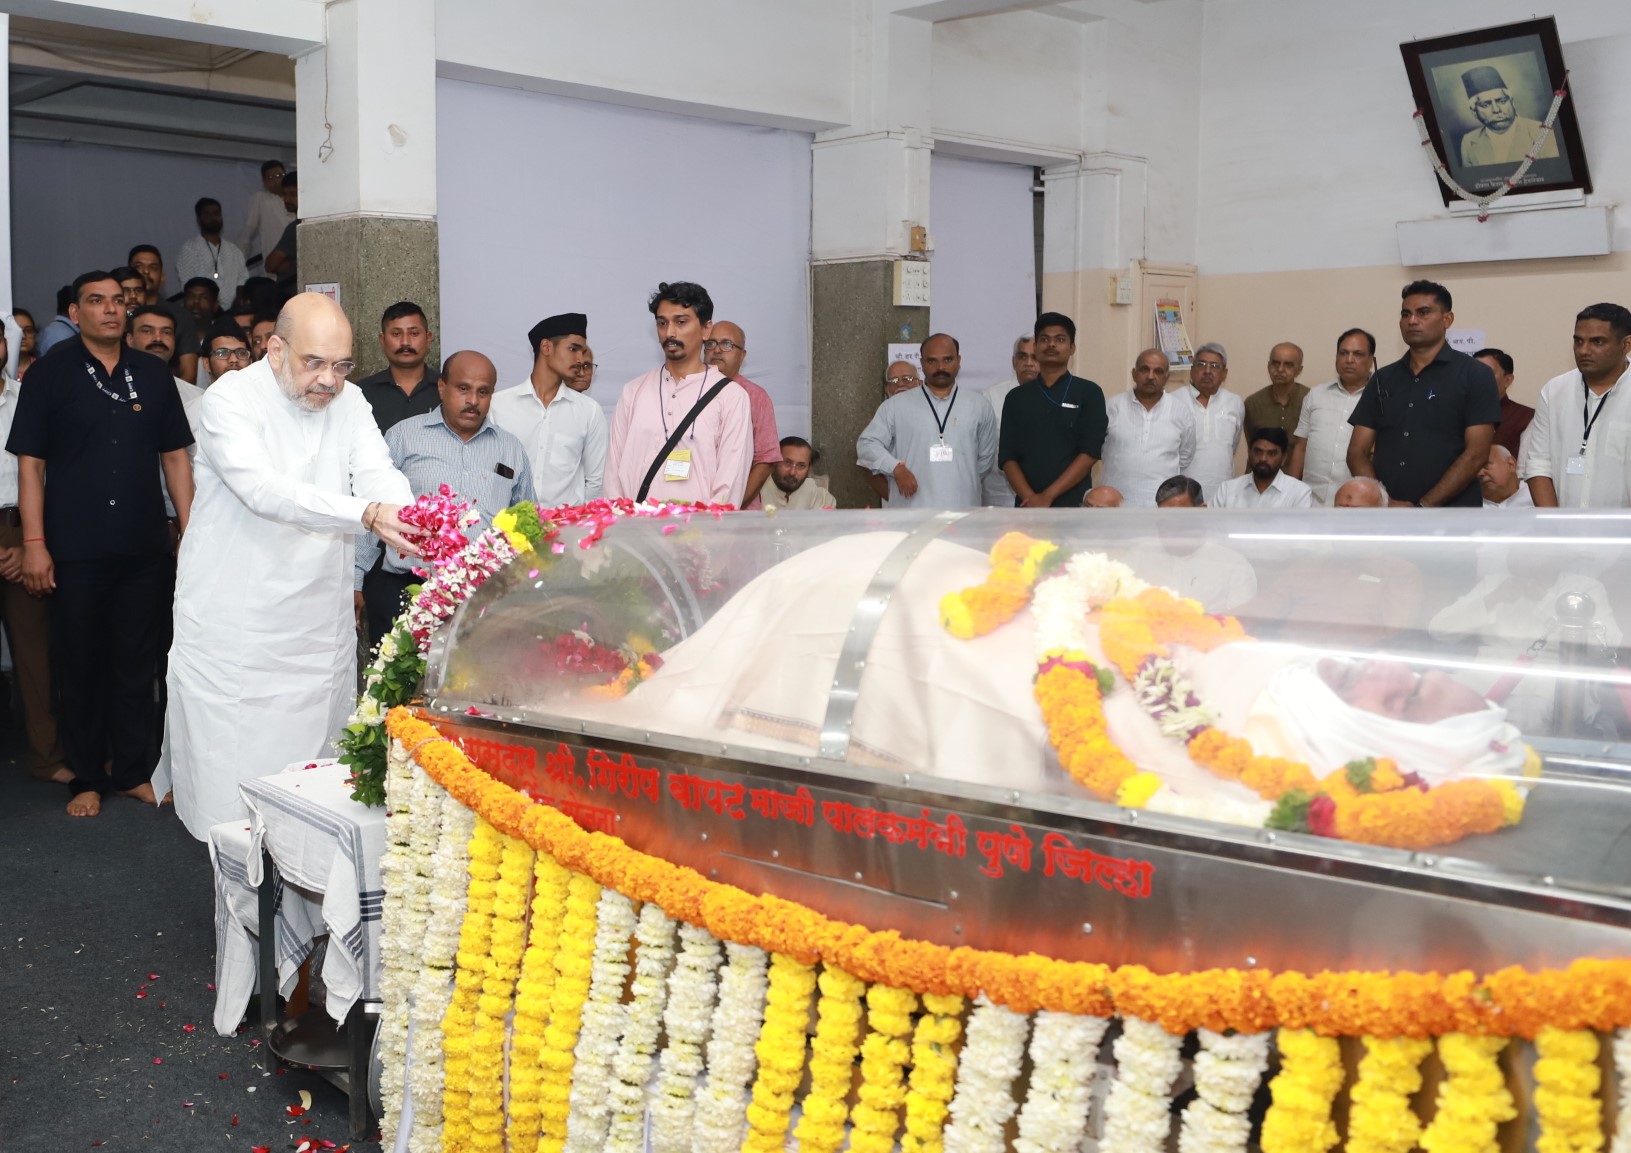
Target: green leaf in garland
x,y
1291,812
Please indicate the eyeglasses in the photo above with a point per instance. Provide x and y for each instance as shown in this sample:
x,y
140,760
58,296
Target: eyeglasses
x,y
723,346
27,329
225,354
903,380
316,364
1209,365
588,367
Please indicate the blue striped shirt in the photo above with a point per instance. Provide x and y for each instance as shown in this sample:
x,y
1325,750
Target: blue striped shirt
x,y
430,454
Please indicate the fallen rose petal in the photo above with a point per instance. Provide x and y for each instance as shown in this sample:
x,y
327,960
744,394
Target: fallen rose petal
x,y
158,1060
186,1104
211,988
152,976
188,1028
139,996
221,1076
294,1110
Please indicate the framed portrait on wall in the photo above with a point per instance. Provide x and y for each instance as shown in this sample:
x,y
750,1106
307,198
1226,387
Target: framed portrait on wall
x,y
1484,96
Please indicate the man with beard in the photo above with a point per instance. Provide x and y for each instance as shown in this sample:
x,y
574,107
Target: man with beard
x,y
457,445
149,263
791,476
563,431
1265,485
407,387
291,470
1502,136
934,444
684,430
208,257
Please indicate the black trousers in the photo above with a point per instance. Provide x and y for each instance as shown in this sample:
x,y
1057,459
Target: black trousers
x,y
109,621
383,599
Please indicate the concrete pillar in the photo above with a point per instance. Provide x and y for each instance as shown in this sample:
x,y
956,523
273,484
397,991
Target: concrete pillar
x,y
870,188
366,140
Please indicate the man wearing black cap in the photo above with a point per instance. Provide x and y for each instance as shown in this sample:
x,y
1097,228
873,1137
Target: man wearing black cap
x,y
1503,137
564,432
408,386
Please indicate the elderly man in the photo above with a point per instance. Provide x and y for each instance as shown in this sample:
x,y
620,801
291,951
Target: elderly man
x,y
1280,403
1515,417
1219,416
1180,492
1152,434
457,445
1265,484
901,376
725,349
791,476
1319,447
291,469
933,449
1499,482
995,491
563,431
1362,492
1502,136
1101,496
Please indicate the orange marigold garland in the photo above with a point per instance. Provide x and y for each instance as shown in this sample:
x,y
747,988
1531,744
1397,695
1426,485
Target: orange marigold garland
x,y
1017,563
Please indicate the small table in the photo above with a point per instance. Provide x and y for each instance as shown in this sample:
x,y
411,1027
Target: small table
x,y
310,856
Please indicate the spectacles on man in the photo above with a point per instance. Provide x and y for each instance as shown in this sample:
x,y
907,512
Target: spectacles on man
x,y
726,346
588,367
1208,366
226,354
899,380
316,364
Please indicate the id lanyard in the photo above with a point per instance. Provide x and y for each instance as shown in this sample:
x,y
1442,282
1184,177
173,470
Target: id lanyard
x,y
663,412
1585,403
940,421
130,387
1060,403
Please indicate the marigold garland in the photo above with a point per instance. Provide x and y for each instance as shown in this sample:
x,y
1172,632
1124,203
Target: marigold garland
x,y
884,1054
833,1050
475,940
550,886
1566,1083
1138,1111
1017,562
934,1069
1380,1119
1309,1080
1228,1070
631,1068
780,1050
738,1019
567,996
692,989
983,1100
1067,691
508,931
603,1017
1622,1067
1473,1101
1059,1097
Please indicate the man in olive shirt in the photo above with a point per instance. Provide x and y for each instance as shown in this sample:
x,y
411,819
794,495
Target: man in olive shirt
x,y
1424,423
408,386
1052,428
1280,405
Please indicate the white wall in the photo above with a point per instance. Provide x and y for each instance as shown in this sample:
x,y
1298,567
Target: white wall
x,y
984,280
549,204
1308,152
75,207
1017,78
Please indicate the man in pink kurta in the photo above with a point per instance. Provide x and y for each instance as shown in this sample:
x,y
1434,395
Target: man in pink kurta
x,y
725,348
710,463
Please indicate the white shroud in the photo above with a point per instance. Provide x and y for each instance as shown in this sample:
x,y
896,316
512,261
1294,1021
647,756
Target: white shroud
x,y
264,664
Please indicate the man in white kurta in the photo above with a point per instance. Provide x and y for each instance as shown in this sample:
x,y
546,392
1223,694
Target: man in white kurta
x,y
291,469
1151,436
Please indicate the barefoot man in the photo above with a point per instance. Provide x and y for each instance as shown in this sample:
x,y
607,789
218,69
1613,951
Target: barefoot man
x,y
292,471
93,430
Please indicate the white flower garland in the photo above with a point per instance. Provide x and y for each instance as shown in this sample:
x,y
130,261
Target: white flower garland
x,y
1228,1070
1138,1113
983,1101
691,992
402,920
631,1068
603,1015
1060,604
1064,1059
433,988
722,1108
1622,1070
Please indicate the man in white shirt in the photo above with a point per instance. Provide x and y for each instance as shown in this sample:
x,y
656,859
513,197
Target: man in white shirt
x,y
1220,417
1499,481
1319,447
563,431
1265,484
267,217
210,257
794,488
1578,448
995,491
1151,436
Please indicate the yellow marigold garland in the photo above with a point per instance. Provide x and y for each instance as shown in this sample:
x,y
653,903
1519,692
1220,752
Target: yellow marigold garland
x,y
1016,562
1310,1077
832,1062
781,1053
475,943
1380,1119
934,1072
884,1054
486,1062
1067,692
1473,1101
1566,1083
550,883
1589,994
570,990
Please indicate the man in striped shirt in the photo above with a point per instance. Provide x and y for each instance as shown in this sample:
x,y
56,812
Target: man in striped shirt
x,y
456,445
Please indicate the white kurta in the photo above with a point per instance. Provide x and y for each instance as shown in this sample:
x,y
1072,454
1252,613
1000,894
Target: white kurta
x,y
264,663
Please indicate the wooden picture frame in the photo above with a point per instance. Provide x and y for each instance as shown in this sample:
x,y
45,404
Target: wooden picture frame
x,y
1482,136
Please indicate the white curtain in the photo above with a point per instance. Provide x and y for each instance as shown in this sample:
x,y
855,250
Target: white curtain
x,y
983,286
549,204
75,207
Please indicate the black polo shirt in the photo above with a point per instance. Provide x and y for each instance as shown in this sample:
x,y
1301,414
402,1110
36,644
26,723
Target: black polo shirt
x,y
102,493
391,405
1421,421
1044,429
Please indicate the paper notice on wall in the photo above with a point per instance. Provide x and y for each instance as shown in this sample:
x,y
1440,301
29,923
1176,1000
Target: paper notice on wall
x,y
1467,340
912,354
1170,336
329,289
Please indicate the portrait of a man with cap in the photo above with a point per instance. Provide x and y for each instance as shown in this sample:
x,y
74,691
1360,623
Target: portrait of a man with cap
x,y
1502,136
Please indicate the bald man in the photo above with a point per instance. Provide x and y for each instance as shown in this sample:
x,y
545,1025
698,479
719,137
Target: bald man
x,y
1362,492
1151,435
460,445
291,471
1101,496
1280,405
725,349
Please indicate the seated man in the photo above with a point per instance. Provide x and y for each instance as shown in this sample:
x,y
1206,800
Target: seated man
x,y
1180,492
1362,492
794,487
1101,496
1499,481
1265,484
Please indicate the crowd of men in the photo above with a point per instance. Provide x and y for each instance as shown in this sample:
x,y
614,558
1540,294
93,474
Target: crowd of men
x,y
183,482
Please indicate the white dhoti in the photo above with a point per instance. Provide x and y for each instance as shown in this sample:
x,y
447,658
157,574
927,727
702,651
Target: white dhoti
x,y
263,667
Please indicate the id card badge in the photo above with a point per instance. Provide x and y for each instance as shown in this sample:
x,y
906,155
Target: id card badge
x,y
940,454
1575,466
678,465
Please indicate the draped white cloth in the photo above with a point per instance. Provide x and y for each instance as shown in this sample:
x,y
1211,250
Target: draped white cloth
x,y
263,666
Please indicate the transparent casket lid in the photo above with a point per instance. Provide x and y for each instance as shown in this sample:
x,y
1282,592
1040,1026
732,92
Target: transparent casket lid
x,y
1382,681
